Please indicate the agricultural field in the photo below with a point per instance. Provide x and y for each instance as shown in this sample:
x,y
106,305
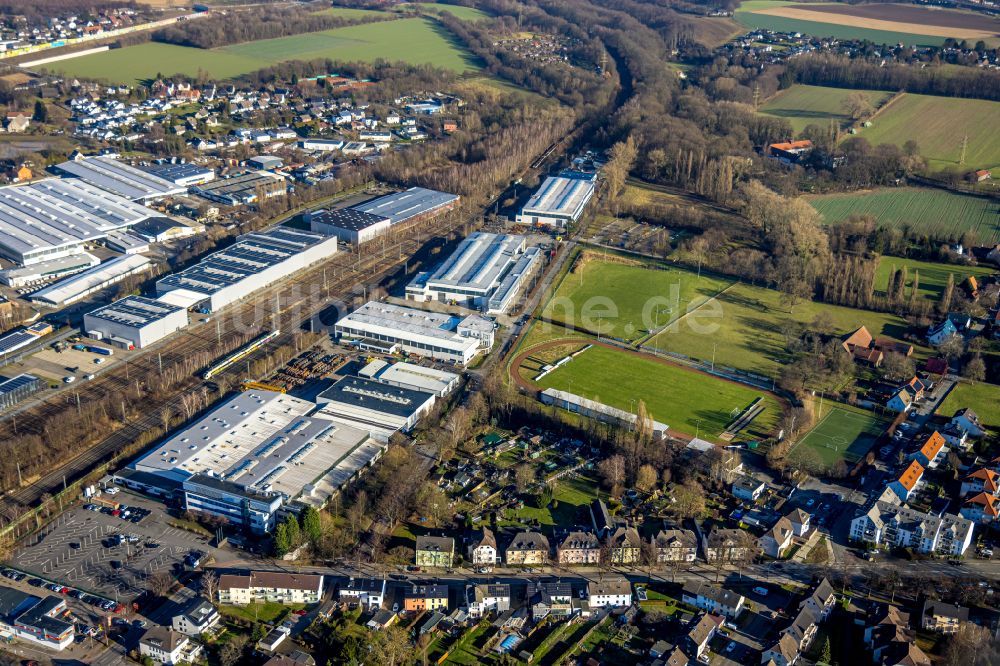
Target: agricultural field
x,y
933,276
939,125
881,23
413,40
935,212
688,401
841,433
816,105
626,300
458,11
982,398
744,329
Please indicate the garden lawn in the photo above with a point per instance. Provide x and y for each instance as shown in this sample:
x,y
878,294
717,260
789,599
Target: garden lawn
x,y
842,433
626,301
816,105
933,276
571,501
689,402
938,125
748,334
268,612
416,41
935,212
982,398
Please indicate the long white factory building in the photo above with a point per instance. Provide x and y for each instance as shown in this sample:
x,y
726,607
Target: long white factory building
x,y
57,217
134,322
431,334
253,262
486,272
559,201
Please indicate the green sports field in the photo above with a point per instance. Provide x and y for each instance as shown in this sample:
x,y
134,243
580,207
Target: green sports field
x,y
416,40
747,333
939,125
934,212
746,14
685,400
933,276
982,398
626,301
816,105
842,433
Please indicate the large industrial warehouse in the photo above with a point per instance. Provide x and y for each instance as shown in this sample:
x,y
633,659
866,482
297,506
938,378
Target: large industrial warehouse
x,y
560,200
81,285
409,205
429,334
253,262
56,217
348,224
257,451
113,175
380,408
134,322
475,272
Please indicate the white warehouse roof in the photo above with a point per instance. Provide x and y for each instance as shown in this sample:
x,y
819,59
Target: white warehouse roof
x,y
560,196
79,285
478,263
122,179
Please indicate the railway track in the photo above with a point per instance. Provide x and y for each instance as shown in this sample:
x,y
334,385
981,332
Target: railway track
x,y
295,300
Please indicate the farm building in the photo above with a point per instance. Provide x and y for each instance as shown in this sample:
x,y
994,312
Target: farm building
x,y
791,151
124,180
421,333
476,272
257,451
253,262
410,205
81,285
243,189
559,201
134,322
380,408
184,174
349,225
411,376
57,217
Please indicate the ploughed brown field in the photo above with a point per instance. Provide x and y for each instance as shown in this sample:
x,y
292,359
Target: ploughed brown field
x,y
892,17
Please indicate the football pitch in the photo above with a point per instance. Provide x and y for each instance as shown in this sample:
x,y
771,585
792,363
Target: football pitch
x,y
842,434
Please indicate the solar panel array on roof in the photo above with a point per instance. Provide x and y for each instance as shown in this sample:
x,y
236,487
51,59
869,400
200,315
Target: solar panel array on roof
x,y
134,311
113,175
16,340
402,206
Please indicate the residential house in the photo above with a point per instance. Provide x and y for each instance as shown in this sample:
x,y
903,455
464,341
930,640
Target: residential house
x,y
886,625
713,599
942,618
886,523
778,539
994,255
730,545
425,598
821,600
625,546
936,366
938,333
784,652
981,508
483,599
799,520
198,617
382,619
931,451
904,653
748,488
18,122
803,628
614,591
273,639
968,420
600,518
369,592
579,548
550,598
483,550
283,588
907,480
983,480
434,551
527,548
676,545
702,632
955,437
165,646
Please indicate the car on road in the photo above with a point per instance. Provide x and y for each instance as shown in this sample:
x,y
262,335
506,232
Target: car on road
x,y
810,501
89,376
300,612
762,591
69,379
731,646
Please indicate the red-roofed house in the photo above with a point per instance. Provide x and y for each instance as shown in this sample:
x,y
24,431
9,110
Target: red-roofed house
x,y
907,481
930,451
936,366
791,151
983,508
981,481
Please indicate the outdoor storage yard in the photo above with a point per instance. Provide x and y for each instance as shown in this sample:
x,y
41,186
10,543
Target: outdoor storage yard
x,y
842,433
415,40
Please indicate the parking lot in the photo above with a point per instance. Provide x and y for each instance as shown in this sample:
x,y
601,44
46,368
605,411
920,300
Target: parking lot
x,y
106,554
